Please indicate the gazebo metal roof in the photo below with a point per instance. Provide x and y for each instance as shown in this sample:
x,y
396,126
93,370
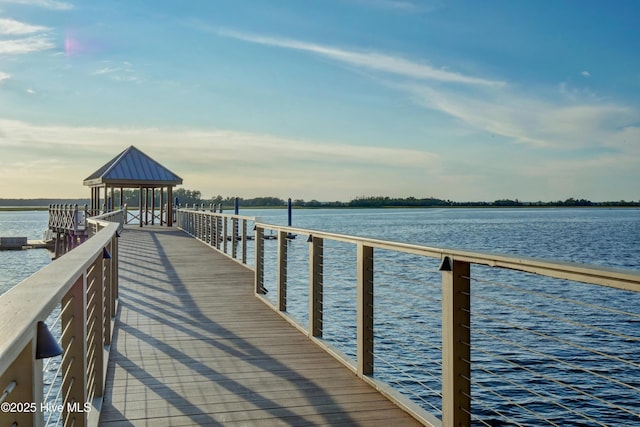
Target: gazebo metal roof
x,y
132,168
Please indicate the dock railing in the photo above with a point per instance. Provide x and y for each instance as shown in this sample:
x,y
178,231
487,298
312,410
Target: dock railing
x,y
75,297
64,218
457,337
227,233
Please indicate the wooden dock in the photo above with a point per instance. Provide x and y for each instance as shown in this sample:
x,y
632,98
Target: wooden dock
x,y
194,346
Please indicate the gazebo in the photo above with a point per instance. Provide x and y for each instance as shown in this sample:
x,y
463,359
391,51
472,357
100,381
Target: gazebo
x,y
133,169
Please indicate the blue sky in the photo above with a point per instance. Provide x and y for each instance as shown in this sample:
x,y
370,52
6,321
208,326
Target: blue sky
x,y
326,99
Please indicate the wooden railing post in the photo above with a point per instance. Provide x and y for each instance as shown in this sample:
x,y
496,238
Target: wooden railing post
x,y
282,270
259,261
365,310
108,297
95,331
456,339
115,276
22,371
74,361
315,283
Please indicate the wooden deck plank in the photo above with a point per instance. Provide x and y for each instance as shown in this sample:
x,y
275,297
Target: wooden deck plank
x,y
193,346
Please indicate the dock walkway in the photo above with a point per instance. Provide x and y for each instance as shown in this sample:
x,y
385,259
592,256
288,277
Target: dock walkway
x,y
194,346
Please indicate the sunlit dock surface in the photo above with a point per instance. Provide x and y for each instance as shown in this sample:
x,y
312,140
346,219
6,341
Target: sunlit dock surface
x,y
194,346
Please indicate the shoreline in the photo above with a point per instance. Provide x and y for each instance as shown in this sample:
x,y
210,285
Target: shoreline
x,y
23,208
228,208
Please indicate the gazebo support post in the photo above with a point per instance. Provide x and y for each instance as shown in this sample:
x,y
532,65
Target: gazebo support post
x,y
140,211
169,206
161,205
146,206
153,206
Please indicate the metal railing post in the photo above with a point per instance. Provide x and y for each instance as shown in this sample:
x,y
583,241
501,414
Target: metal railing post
x,y
225,232
210,225
214,232
365,310
282,270
234,237
259,261
244,241
315,283
456,343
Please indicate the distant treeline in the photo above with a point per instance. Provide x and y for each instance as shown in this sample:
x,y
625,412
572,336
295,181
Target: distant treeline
x,y
386,201
390,202
190,197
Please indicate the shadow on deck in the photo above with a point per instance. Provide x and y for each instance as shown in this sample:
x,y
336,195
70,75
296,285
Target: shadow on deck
x,y
193,346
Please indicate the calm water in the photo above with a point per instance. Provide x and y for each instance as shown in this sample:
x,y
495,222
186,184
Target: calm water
x,y
608,237
16,266
596,236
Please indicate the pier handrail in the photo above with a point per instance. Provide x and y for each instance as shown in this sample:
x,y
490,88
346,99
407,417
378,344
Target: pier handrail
x,y
83,283
96,223
456,279
219,230
596,275
284,266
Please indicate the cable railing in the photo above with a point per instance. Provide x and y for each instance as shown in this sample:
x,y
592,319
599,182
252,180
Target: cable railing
x,y
57,327
458,337
228,233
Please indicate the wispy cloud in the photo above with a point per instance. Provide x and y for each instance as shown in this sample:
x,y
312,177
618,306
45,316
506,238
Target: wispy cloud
x,y
224,144
106,70
25,45
374,61
22,45
401,5
212,156
585,74
4,76
550,122
13,27
561,120
124,73
47,4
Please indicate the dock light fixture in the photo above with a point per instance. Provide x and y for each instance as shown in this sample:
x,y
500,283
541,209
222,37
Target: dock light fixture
x,y
105,253
310,238
117,233
46,344
445,265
